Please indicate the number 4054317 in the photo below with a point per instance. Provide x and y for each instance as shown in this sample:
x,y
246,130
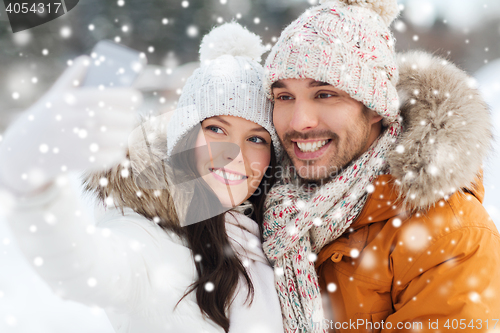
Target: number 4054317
x,y
40,8
463,324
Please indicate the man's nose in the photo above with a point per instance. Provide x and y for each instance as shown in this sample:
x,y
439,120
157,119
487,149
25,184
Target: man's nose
x,y
304,117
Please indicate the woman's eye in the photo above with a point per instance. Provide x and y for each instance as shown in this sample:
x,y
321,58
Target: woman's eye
x,y
256,139
285,98
215,129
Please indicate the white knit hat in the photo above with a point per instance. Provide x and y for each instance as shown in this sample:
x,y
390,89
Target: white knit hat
x,y
346,43
227,83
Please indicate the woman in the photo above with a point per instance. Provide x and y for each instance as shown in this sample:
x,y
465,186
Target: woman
x,y
173,251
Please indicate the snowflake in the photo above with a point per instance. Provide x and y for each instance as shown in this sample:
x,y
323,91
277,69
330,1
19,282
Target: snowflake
x,y
331,287
65,32
209,286
92,282
192,31
400,26
38,261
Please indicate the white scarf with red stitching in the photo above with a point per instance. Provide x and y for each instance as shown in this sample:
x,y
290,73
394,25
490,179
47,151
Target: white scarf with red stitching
x,y
299,222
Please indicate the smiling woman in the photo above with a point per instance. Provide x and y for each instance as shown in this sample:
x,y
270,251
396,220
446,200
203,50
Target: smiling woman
x,y
233,178
154,266
223,142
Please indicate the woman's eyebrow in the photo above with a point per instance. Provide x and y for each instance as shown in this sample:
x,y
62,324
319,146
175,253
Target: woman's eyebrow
x,y
258,129
221,120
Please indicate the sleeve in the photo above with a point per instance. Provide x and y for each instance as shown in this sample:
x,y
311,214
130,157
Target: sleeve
x,y
452,286
107,266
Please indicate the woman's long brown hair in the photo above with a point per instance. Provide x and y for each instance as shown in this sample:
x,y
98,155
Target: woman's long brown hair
x,y
208,238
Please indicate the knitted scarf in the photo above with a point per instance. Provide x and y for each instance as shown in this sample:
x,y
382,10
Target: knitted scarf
x,y
300,221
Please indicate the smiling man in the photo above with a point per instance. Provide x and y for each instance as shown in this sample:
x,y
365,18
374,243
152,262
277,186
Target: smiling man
x,y
302,107
379,208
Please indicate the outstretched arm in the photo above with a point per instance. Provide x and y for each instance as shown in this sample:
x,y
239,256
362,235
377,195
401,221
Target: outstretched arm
x,y
71,128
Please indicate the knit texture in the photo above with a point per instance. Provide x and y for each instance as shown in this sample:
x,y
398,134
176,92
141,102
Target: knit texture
x,y
228,85
299,221
346,45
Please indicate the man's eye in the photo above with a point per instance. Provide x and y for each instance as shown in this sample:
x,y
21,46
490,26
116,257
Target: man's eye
x,y
325,95
215,129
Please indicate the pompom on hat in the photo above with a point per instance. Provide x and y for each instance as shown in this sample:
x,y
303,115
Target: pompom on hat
x,y
346,43
228,82
388,10
231,39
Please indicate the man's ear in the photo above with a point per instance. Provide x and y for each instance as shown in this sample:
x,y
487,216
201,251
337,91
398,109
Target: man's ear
x,y
376,119
373,117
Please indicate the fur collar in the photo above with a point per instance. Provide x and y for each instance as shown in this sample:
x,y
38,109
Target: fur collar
x,y
447,131
141,182
447,134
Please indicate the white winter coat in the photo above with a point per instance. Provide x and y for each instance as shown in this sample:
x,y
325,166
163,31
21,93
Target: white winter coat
x,y
134,269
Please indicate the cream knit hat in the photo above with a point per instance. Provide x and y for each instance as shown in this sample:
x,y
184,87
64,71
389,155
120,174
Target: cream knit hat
x,y
227,83
346,43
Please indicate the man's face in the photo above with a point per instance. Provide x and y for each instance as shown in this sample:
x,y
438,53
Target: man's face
x,y
321,128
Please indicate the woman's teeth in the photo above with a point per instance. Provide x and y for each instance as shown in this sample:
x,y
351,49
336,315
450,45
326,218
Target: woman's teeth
x,y
228,175
311,146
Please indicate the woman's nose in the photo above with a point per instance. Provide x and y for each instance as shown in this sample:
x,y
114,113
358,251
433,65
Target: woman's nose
x,y
232,152
224,152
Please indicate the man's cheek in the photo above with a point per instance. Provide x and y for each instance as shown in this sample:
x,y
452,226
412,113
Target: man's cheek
x,y
279,121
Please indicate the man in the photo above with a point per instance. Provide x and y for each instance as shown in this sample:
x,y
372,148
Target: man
x,y
380,205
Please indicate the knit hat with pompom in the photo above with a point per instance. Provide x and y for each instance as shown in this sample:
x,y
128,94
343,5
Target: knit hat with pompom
x,y
346,43
227,83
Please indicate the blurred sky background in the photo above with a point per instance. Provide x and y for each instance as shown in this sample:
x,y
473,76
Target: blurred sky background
x,y
169,32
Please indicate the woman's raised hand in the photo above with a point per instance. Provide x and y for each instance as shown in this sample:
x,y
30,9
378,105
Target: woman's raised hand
x,y
69,128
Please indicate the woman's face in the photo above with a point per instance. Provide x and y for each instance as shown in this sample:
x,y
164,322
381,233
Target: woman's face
x,y
236,155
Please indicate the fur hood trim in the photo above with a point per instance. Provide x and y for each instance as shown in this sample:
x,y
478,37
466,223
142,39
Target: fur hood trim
x,y
141,182
447,134
447,131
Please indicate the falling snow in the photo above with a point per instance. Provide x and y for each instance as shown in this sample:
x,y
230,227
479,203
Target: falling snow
x,y
209,286
192,31
418,16
331,287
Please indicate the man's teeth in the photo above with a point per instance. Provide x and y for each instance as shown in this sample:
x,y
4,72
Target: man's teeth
x,y
311,146
228,175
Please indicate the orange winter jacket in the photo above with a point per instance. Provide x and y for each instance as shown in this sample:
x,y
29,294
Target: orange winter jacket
x,y
433,266
395,271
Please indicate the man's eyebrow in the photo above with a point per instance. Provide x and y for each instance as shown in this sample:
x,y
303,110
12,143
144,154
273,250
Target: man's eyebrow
x,y
278,84
312,84
318,84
